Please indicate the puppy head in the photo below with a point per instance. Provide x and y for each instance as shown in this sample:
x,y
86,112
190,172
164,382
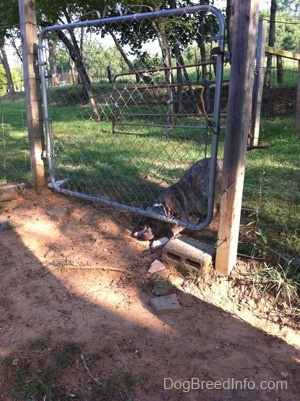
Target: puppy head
x,y
148,228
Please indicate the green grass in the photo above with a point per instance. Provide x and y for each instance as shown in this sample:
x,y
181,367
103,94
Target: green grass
x,y
36,377
132,169
124,168
14,146
290,73
36,374
282,282
272,187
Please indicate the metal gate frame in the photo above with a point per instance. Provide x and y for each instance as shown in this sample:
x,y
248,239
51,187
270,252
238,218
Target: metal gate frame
x,y
214,123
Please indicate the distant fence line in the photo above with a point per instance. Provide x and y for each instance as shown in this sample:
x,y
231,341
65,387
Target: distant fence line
x,y
85,147
278,100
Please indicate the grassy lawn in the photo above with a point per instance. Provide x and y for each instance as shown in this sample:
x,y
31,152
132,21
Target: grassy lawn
x,y
14,146
272,186
131,169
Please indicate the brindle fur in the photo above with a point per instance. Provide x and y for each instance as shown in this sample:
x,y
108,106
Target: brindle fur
x,y
179,201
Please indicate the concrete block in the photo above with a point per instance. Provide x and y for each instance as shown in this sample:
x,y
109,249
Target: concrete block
x,y
187,254
165,303
10,192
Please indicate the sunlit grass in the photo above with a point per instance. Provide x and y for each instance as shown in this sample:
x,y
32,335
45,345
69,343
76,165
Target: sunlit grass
x,y
132,169
14,145
272,185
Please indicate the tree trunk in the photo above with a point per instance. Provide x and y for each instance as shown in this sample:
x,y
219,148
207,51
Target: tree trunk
x,y
279,70
203,50
179,64
229,18
75,56
52,62
271,41
131,67
4,61
166,55
119,47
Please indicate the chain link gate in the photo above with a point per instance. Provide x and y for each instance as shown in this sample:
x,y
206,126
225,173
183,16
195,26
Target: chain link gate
x,y
130,122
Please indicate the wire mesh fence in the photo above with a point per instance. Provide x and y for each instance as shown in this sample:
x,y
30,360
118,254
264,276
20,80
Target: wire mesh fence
x,y
14,147
122,136
137,125
279,98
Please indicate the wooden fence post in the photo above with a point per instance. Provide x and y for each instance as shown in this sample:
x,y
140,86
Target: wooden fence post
x,y
237,128
32,91
258,85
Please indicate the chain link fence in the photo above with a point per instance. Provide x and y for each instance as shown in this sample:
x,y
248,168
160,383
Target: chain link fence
x,y
138,125
142,104
279,95
14,147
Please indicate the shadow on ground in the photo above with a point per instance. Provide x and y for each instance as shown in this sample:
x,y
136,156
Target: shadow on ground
x,y
71,274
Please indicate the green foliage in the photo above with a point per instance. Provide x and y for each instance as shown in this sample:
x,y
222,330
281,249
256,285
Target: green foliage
x,y
62,60
293,6
3,80
17,77
98,58
282,282
287,30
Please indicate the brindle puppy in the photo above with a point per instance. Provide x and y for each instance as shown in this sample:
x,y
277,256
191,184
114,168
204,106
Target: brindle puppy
x,y
179,201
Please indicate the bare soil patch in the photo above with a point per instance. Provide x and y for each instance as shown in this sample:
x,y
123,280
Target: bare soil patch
x,y
70,273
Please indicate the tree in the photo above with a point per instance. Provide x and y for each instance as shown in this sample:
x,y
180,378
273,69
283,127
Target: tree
x,y
8,17
4,61
173,35
229,18
289,5
271,40
3,81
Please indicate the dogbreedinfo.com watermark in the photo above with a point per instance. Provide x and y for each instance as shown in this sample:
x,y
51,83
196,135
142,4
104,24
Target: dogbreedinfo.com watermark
x,y
229,384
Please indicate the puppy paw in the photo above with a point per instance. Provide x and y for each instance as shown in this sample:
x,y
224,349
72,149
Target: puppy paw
x,y
159,243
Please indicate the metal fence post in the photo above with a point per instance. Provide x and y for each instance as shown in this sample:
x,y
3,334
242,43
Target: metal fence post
x,y
28,27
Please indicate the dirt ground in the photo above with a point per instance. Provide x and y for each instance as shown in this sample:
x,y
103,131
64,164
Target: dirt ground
x,y
70,272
